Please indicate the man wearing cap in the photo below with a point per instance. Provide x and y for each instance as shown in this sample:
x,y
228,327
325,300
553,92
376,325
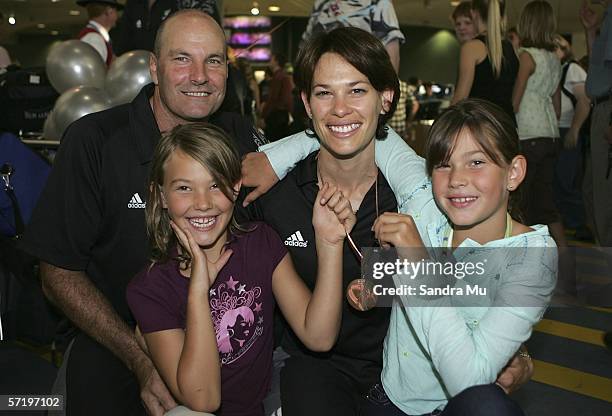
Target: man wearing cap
x,y
103,15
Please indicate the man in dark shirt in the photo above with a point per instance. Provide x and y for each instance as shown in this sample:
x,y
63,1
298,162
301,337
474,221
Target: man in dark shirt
x,y
138,24
279,102
88,229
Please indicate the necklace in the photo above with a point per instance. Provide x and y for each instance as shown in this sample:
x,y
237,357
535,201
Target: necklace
x,y
359,292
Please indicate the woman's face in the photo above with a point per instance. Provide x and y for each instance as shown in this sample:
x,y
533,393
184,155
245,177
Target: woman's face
x,y
344,106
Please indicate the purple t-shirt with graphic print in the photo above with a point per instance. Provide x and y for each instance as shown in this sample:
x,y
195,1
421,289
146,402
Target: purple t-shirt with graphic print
x,y
242,307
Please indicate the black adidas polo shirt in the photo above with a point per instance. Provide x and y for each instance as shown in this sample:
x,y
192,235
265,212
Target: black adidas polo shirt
x,y
90,216
287,207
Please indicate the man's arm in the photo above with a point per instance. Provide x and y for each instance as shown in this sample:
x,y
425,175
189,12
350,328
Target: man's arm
x,y
74,293
393,49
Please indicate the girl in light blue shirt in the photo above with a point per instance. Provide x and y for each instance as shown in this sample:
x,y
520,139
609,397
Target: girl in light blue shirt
x,y
436,350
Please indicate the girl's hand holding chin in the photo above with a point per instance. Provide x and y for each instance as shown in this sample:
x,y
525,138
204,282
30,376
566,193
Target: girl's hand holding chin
x,y
203,271
332,215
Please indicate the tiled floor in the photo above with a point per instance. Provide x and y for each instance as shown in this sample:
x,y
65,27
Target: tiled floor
x,y
573,369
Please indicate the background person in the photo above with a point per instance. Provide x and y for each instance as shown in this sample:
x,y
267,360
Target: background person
x,y
278,104
599,90
575,109
139,23
488,64
462,20
374,16
103,15
537,102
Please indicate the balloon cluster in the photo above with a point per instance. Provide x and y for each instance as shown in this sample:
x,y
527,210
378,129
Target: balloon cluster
x,y
78,73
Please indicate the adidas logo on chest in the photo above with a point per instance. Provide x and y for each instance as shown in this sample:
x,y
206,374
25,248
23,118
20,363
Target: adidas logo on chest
x,y
136,202
296,240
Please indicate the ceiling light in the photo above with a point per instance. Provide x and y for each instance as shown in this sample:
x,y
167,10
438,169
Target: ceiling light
x,y
41,26
274,8
54,32
455,3
255,9
74,12
12,20
54,1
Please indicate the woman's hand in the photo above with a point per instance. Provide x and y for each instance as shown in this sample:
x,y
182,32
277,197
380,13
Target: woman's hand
x,y
203,271
332,215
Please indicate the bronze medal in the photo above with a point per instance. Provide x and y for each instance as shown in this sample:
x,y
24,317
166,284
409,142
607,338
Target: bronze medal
x,y
360,294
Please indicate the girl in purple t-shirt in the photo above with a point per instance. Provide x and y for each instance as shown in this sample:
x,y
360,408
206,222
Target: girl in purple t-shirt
x,y
205,304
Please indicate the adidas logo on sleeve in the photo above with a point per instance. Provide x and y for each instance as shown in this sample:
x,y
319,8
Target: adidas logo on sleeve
x,y
136,202
296,240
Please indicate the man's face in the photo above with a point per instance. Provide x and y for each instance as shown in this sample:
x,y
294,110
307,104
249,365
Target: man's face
x,y
191,70
113,15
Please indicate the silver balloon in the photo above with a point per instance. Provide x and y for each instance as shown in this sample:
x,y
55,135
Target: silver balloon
x,y
50,129
77,102
72,63
127,75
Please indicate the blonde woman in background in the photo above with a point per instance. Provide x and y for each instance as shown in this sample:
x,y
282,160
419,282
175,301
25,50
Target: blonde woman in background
x,y
488,64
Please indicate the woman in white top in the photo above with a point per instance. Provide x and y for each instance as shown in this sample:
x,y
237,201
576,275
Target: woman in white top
x,y
536,101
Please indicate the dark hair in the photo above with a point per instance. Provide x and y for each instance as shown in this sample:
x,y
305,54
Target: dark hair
x,y
97,9
491,127
464,9
281,59
360,49
213,149
568,54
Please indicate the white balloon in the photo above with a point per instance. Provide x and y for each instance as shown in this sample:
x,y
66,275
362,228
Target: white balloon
x,y
127,75
72,63
77,102
50,129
